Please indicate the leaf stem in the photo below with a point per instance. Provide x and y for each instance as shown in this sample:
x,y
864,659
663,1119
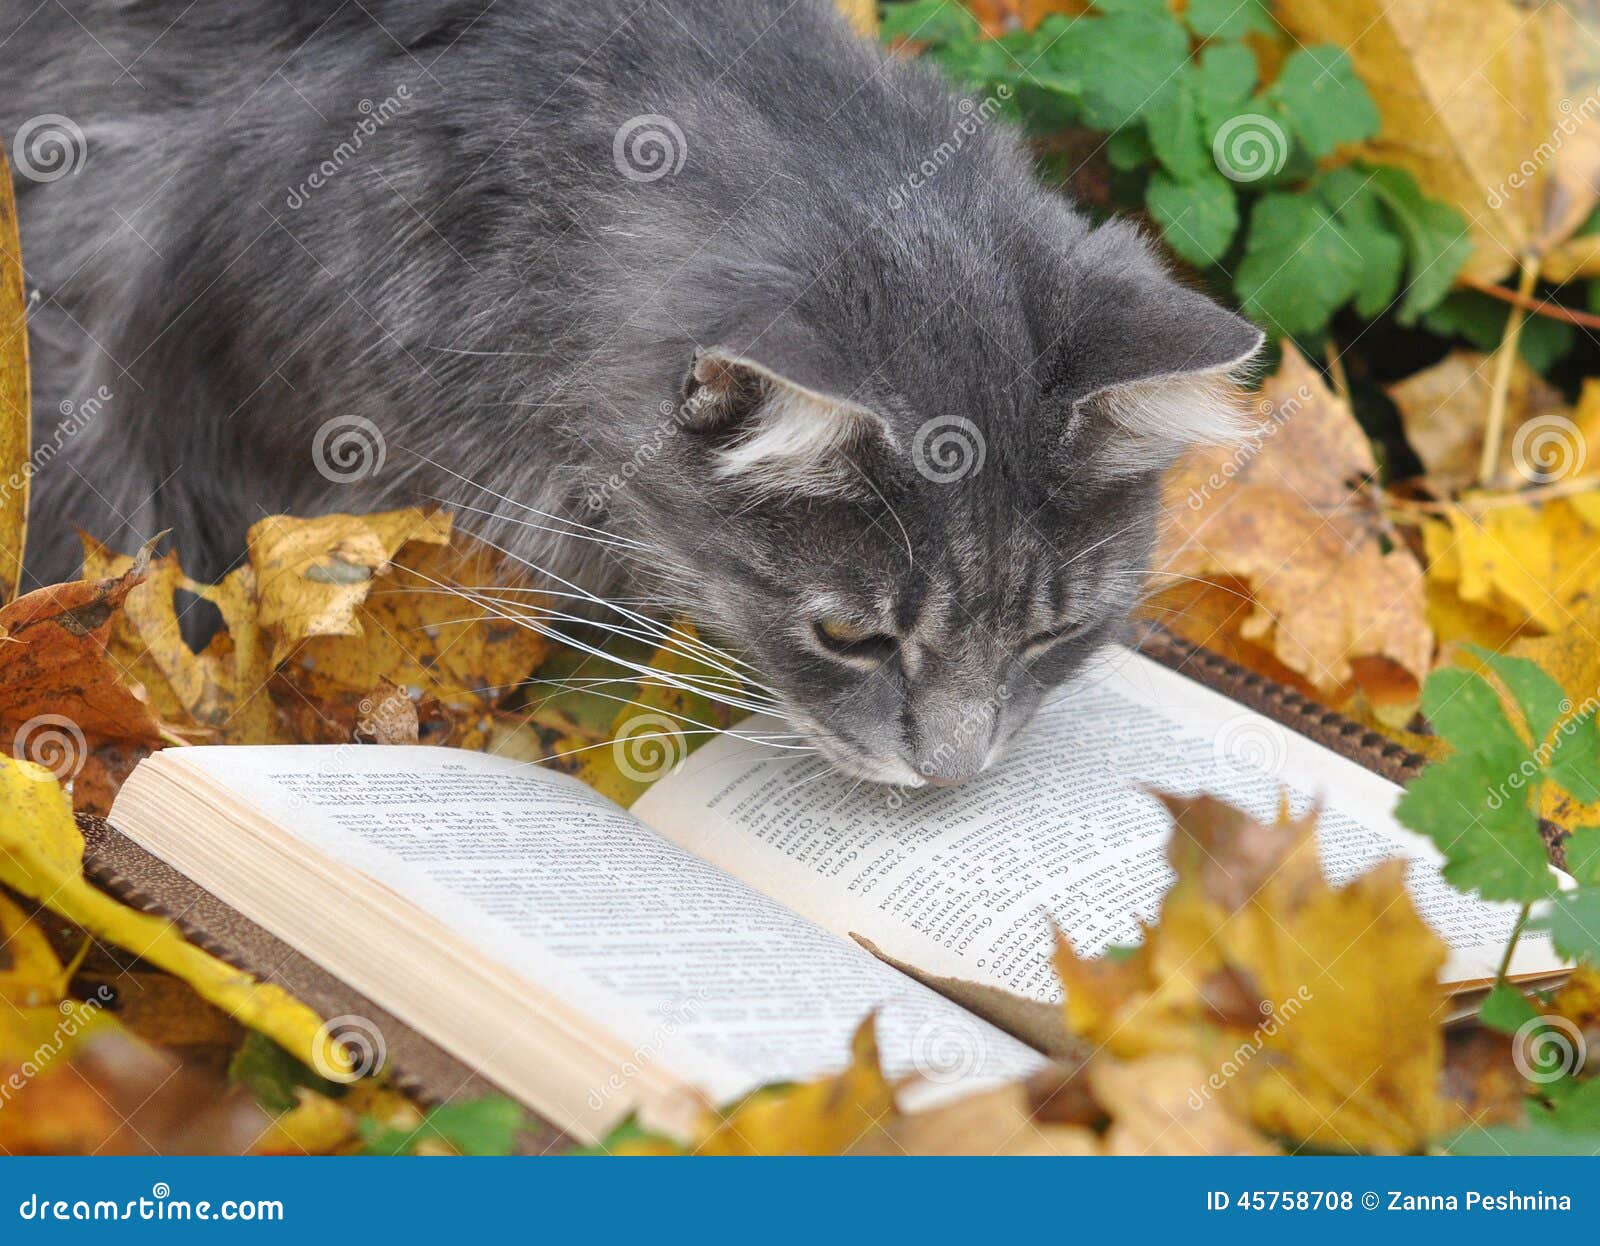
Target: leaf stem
x,y
1494,432
1511,945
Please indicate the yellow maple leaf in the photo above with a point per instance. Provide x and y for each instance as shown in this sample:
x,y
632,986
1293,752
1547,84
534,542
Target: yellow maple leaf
x,y
41,856
862,15
823,1117
1287,517
1315,1009
1531,564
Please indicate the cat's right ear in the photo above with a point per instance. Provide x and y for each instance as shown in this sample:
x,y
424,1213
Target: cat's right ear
x,y
785,429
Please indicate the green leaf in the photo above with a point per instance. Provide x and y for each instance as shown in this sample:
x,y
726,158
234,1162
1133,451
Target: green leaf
x,y
1538,696
1476,804
1583,854
486,1126
1228,19
1129,149
1224,77
1482,321
1574,924
1506,1009
1464,708
1322,100
629,1130
934,22
272,1075
1491,846
1299,267
1174,128
1436,239
1570,1125
1124,60
1348,194
1198,218
1575,760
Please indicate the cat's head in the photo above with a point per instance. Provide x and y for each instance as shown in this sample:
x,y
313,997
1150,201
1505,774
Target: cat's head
x,y
918,491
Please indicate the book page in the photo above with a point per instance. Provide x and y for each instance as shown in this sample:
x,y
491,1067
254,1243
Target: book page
x,y
963,881
689,966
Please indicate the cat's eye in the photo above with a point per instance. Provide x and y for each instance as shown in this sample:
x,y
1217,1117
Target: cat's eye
x,y
852,639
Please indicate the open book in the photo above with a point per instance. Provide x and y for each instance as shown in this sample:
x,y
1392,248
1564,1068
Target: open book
x,y
594,961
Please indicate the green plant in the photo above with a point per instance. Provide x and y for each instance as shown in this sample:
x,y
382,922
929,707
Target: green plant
x,y
1242,176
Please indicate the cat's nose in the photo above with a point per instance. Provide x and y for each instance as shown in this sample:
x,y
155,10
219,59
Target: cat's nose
x,y
946,780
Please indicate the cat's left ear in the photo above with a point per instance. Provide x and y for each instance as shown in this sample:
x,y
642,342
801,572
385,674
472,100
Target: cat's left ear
x,y
785,411
1159,368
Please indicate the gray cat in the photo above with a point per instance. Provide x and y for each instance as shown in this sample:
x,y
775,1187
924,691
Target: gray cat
x,y
707,303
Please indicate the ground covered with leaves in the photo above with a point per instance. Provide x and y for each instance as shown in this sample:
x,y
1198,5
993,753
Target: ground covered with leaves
x,y
1405,194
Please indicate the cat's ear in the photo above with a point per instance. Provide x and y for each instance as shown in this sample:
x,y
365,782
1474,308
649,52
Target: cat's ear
x,y
1159,370
785,422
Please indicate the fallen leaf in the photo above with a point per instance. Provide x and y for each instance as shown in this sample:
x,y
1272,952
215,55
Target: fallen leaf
x,y
1314,1010
1532,564
312,575
1444,410
823,1117
221,692
16,467
41,856
31,975
1288,515
59,685
862,15
1157,1108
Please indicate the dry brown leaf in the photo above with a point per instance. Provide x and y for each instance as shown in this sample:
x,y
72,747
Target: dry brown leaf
x,y
1288,516
221,692
15,412
1464,92
59,685
1155,1109
426,624
1444,410
31,974
1315,1010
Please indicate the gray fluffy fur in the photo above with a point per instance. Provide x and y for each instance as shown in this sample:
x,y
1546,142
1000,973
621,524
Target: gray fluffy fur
x,y
479,280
